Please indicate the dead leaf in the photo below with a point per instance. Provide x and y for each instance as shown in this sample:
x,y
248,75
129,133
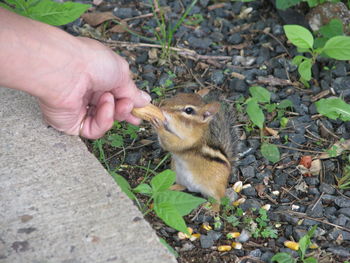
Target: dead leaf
x,y
273,81
146,142
95,19
215,6
302,187
306,161
153,55
97,2
121,28
271,132
237,75
336,149
203,92
315,168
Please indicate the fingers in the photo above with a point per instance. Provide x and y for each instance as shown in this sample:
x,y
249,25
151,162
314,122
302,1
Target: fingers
x,y
96,126
123,109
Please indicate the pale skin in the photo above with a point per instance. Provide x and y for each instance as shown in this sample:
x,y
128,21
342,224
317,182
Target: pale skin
x,y
81,85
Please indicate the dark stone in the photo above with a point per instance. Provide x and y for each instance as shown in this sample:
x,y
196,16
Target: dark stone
x,y
248,172
247,160
238,85
236,7
266,257
122,12
206,241
277,30
203,3
217,77
141,58
310,222
214,235
201,218
290,219
342,201
344,211
315,210
249,191
312,180
342,86
235,39
281,179
330,211
327,189
196,42
216,36
299,232
335,233
340,69
341,220
255,253
133,158
280,73
249,204
339,251
328,199
298,138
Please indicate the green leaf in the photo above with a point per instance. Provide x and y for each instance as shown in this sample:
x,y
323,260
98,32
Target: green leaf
x,y
283,258
270,152
285,104
312,231
299,36
171,216
310,260
163,180
338,48
255,114
284,4
304,243
332,29
116,140
320,42
183,202
171,250
334,108
298,59
124,185
143,189
56,14
304,69
260,94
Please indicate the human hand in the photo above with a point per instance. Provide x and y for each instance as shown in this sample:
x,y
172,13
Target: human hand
x,y
102,92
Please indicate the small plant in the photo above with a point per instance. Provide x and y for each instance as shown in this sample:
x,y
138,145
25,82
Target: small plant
x,y
259,101
168,85
337,47
167,31
263,229
47,11
170,206
334,108
303,244
284,4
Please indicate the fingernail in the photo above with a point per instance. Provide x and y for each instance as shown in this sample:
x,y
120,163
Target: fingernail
x,y
146,96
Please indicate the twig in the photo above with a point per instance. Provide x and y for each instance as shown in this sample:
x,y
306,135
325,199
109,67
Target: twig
x,y
180,51
285,189
275,38
303,215
318,200
296,149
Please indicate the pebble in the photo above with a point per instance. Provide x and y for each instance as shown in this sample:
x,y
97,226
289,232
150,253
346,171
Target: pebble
x,y
335,233
248,172
315,210
299,232
312,180
217,77
249,191
280,178
344,211
202,43
244,237
249,204
238,85
206,241
250,159
341,220
187,246
216,36
342,201
122,12
327,189
339,251
133,158
266,257
340,69
255,253
235,39
231,194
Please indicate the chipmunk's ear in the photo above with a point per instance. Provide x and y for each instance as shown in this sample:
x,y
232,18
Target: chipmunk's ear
x,y
210,110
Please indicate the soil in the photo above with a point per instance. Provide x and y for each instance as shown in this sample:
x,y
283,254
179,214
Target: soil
x,y
226,47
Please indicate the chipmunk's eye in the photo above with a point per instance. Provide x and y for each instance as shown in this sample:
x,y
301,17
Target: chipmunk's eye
x,y
189,110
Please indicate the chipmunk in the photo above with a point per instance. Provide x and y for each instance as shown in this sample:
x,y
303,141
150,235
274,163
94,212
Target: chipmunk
x,y
199,137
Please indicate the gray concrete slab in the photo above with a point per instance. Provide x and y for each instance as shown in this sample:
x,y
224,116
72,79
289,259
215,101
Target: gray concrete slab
x,y
57,203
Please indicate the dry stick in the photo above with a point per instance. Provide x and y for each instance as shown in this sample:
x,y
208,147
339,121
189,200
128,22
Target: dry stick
x,y
181,51
296,149
303,215
285,189
318,200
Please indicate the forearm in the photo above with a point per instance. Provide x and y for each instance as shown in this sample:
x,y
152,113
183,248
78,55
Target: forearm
x,y
34,55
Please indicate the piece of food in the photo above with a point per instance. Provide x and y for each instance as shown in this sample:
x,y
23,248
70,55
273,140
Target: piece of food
x,y
148,113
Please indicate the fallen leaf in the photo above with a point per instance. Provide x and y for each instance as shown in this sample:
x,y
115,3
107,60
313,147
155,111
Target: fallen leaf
x,y
273,81
153,55
97,2
237,75
203,92
306,161
315,168
302,187
121,28
336,149
271,132
95,19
